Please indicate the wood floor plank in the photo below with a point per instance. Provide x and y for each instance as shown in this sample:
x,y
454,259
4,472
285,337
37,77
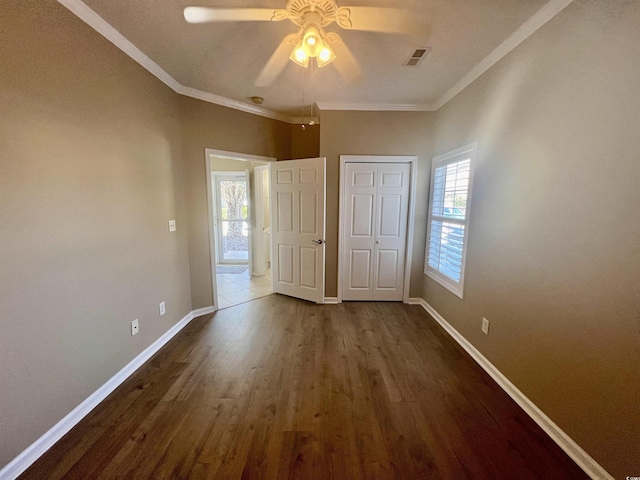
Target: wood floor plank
x,y
279,388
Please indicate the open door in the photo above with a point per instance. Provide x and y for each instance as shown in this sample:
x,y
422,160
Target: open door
x,y
298,228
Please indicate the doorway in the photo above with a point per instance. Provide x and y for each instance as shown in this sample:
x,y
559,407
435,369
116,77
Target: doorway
x,y
240,270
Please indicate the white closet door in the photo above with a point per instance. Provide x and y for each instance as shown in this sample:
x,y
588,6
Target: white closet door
x,y
391,231
359,230
375,230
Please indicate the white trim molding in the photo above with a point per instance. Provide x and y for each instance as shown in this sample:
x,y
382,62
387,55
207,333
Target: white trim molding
x,y
227,102
305,120
331,300
91,18
203,311
377,107
100,25
570,447
245,157
23,461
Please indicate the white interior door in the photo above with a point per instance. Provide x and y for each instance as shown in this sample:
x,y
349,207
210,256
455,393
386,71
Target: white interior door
x,y
375,215
298,228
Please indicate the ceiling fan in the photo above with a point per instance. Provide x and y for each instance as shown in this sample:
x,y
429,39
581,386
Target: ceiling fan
x,y
311,41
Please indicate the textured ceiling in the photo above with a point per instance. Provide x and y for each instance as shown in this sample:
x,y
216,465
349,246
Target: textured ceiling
x,y
226,58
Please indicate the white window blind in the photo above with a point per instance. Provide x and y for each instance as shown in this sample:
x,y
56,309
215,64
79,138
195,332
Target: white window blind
x,y
449,217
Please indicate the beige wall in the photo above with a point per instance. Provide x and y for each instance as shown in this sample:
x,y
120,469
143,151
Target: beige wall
x,y
305,142
375,133
211,126
90,175
553,258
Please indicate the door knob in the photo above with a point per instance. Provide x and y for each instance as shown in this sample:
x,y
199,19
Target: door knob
x,y
377,241
318,242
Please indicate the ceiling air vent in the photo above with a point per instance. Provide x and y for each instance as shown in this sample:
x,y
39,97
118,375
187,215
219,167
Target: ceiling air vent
x,y
417,56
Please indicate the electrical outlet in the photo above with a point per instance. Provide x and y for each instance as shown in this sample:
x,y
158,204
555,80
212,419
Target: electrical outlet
x,y
172,225
485,326
135,327
163,310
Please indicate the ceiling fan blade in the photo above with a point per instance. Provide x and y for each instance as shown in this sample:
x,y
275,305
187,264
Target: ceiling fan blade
x,y
206,14
345,62
374,19
278,61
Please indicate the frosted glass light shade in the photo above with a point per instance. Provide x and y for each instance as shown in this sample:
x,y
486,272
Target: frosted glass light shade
x,y
326,56
299,55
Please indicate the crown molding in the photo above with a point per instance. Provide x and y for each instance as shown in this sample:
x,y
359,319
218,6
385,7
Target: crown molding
x,y
376,107
91,18
305,120
542,16
227,102
95,21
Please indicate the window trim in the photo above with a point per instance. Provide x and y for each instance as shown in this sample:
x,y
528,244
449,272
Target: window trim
x,y
467,151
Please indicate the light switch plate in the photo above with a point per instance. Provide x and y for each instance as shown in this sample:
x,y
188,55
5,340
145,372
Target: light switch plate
x,y
162,308
172,225
485,326
135,327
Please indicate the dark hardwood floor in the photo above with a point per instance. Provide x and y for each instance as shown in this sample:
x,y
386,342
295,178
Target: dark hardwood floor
x,y
280,388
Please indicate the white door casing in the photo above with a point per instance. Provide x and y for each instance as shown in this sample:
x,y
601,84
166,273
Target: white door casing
x,y
261,232
298,228
375,214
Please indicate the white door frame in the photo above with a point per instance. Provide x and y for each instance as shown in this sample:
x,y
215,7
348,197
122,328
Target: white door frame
x,y
413,161
259,213
208,153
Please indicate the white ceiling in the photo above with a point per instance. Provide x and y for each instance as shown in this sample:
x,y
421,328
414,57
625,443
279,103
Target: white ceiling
x,y
225,59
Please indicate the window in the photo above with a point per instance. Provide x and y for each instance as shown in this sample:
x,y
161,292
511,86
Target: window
x,y
448,226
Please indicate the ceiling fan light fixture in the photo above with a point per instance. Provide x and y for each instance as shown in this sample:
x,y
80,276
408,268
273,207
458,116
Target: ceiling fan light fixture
x,y
312,45
299,55
311,40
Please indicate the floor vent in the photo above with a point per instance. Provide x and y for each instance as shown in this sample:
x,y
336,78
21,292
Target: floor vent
x,y
417,56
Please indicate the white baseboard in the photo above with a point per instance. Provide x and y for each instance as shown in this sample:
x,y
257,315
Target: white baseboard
x,y
571,448
203,311
23,461
331,300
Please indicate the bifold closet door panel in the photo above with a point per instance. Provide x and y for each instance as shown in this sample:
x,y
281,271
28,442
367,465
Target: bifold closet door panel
x,y
374,215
